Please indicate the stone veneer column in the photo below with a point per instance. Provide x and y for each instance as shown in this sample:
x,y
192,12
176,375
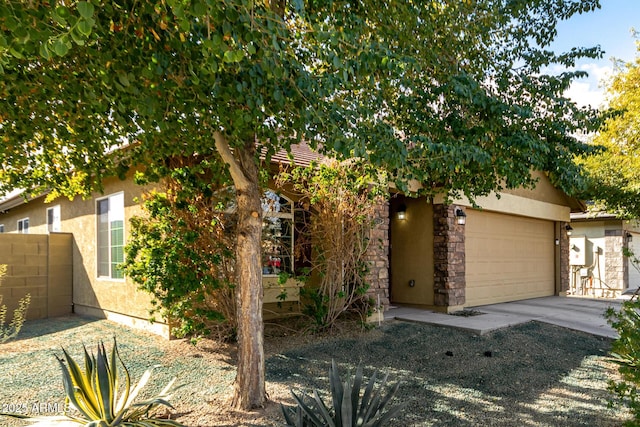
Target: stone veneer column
x,y
377,256
615,262
449,282
565,268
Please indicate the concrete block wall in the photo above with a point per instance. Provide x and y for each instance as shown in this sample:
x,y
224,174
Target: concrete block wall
x,y
41,266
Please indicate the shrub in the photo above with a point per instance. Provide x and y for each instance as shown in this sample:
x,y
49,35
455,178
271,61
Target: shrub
x,y
19,314
348,407
97,399
625,352
341,199
181,251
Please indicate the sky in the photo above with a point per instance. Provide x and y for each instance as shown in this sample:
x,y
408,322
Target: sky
x,y
610,27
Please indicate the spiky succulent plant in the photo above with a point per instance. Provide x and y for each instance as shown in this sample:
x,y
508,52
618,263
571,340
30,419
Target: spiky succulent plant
x,y
97,398
348,408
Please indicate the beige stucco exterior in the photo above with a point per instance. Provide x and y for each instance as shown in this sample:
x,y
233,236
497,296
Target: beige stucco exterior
x,y
598,265
509,247
412,252
115,299
506,251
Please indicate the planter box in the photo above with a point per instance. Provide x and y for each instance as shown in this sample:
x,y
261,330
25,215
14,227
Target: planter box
x,y
272,289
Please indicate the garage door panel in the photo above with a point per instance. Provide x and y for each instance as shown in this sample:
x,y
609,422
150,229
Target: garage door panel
x,y
508,258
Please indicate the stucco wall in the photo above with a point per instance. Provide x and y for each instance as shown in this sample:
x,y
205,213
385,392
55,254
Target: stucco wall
x,y
412,265
543,192
418,243
111,298
605,272
38,265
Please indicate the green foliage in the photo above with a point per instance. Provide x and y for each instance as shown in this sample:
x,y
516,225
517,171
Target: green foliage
x,y
341,199
446,94
349,407
614,173
316,306
626,353
181,250
100,398
19,314
426,90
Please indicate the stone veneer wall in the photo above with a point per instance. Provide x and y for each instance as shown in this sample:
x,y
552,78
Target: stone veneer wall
x,y
616,266
565,268
449,283
378,256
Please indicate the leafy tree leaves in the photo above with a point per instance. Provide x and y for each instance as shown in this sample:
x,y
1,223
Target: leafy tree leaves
x,y
614,173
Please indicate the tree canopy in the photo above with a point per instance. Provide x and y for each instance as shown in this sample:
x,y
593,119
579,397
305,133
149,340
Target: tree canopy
x,y
446,93
614,173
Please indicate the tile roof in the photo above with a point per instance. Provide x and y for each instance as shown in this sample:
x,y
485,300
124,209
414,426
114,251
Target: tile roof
x,y
301,153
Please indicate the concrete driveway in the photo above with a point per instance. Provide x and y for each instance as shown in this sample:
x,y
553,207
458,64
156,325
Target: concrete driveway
x,y
581,314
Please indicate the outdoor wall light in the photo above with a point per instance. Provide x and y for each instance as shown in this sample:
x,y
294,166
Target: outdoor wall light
x,y
401,213
569,230
461,217
629,237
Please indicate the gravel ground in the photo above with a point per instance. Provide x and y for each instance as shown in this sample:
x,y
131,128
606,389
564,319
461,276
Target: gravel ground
x,y
529,375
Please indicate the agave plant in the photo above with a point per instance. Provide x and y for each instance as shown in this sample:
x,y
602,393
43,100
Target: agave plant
x,y
99,399
348,408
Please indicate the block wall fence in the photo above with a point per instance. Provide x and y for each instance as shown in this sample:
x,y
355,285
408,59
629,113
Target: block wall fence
x,y
39,265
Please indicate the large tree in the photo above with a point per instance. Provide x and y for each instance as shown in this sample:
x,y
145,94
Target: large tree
x,y
446,93
614,173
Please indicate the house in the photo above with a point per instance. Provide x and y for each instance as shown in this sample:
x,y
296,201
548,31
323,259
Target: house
x,y
513,247
97,228
599,267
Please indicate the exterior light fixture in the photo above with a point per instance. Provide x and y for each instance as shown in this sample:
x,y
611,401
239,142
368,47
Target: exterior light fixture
x,y
401,213
629,237
569,230
461,217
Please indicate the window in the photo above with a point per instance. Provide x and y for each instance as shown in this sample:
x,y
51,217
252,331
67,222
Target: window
x,y
277,234
23,226
53,219
1,228
110,239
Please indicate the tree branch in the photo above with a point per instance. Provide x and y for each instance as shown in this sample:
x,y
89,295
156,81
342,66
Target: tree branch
x,y
222,145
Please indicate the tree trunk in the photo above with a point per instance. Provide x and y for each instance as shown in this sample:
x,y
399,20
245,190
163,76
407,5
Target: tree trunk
x,y
250,390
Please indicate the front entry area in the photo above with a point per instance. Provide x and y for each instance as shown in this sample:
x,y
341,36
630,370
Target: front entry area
x,y
412,251
493,258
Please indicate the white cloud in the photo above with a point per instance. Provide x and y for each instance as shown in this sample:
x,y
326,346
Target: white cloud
x,y
588,90
584,94
598,71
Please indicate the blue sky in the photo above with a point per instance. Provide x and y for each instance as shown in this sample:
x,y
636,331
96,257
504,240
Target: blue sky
x,y
609,27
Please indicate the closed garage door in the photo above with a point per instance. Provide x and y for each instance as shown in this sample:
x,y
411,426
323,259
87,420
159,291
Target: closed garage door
x,y
508,258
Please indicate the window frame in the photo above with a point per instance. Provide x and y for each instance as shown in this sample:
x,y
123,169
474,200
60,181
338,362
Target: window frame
x,y
55,224
290,216
109,246
20,225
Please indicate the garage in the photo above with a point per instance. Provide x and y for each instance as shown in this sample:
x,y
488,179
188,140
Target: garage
x,y
508,258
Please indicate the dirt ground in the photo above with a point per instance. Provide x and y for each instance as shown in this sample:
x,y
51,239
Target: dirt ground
x,y
532,375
